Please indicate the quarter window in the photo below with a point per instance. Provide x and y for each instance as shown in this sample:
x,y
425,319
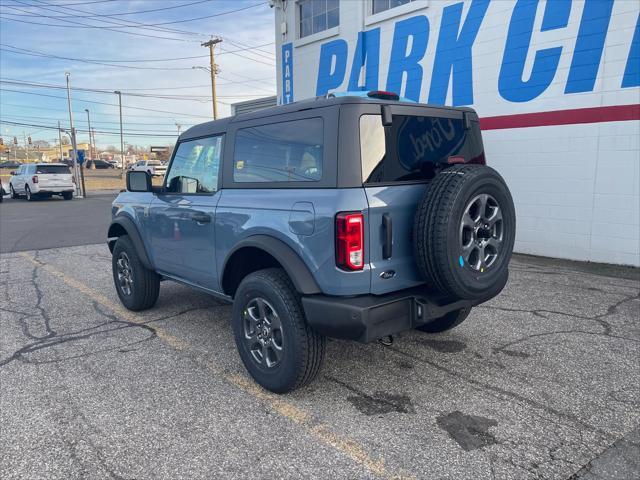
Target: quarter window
x,y
195,166
317,16
279,152
383,5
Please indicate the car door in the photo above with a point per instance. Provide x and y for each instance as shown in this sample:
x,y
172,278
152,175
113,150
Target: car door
x,y
182,215
16,181
25,178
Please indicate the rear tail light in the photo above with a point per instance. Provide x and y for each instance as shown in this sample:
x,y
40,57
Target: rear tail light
x,y
350,241
34,179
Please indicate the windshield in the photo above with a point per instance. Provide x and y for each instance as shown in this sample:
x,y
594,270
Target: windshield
x,y
59,169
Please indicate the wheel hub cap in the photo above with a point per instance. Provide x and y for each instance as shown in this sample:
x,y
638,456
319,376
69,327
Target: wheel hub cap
x,y
125,275
481,233
263,332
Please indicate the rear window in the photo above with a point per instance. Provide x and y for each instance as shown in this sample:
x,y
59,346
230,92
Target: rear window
x,y
52,169
279,152
414,148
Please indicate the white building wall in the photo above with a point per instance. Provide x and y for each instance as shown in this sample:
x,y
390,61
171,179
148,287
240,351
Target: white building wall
x,y
575,185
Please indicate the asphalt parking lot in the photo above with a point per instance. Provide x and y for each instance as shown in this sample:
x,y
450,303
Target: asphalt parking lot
x,y
54,222
542,382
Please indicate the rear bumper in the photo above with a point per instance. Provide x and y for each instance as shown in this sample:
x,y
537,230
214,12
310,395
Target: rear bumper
x,y
53,189
369,317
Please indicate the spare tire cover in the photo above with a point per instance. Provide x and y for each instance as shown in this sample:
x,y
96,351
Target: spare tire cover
x,y
464,232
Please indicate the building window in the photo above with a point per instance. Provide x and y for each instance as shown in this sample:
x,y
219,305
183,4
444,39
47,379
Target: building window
x,y
382,5
318,15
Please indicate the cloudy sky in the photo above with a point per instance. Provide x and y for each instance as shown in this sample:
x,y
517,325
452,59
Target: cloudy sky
x,y
145,48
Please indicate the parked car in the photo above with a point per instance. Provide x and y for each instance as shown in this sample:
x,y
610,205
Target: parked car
x,y
153,167
42,180
115,163
3,192
99,164
355,217
10,164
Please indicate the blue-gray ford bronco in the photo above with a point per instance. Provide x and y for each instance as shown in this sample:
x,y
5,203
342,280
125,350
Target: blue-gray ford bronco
x,y
353,216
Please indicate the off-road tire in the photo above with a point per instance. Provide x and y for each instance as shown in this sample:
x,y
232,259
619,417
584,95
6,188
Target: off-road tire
x,y
437,232
303,348
146,283
67,195
449,321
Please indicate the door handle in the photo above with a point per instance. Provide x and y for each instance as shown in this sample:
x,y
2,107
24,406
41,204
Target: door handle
x,y
201,218
387,225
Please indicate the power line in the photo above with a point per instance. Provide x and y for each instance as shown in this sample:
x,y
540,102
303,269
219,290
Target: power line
x,y
110,14
146,60
64,111
136,24
79,3
49,127
180,87
169,123
33,53
109,104
110,92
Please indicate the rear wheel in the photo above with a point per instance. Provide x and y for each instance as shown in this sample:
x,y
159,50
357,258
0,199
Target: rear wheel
x,y
27,192
449,321
464,232
67,195
279,350
137,286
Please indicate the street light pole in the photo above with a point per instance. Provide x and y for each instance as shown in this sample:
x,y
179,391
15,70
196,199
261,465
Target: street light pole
x,y
119,93
60,141
73,137
90,143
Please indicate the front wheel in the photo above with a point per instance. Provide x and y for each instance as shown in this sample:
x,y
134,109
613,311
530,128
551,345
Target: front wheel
x,y
449,321
137,286
279,350
14,194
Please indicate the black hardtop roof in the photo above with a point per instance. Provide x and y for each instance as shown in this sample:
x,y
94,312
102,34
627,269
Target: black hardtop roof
x,y
220,126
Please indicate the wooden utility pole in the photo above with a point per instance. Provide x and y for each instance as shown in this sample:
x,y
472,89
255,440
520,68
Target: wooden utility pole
x,y
214,70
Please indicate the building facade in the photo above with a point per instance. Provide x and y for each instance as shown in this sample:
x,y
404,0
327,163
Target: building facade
x,y
555,83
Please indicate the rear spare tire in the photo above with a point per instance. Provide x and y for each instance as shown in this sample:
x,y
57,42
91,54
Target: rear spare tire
x,y
464,232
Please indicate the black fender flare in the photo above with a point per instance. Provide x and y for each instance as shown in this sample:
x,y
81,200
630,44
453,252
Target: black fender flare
x,y
297,270
130,227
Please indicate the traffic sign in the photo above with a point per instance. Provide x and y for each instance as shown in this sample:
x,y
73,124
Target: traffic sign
x,y
81,157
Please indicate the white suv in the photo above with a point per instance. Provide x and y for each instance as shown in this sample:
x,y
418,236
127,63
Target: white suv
x,y
42,179
152,166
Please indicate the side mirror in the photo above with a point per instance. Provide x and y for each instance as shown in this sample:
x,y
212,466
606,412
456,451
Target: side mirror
x,y
13,173
138,181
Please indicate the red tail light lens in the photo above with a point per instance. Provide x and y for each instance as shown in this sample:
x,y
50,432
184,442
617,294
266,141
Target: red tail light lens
x,y
350,241
34,179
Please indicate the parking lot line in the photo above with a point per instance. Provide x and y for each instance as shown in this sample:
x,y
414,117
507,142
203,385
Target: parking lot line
x,y
294,414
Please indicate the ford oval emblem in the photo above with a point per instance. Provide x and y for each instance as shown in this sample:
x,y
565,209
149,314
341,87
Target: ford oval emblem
x,y
386,275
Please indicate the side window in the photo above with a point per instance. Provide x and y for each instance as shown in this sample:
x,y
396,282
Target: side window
x,y
280,152
195,166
